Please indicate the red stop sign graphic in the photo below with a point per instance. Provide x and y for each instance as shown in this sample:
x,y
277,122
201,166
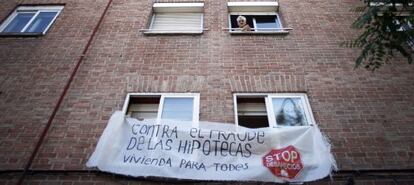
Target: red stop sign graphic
x,y
284,162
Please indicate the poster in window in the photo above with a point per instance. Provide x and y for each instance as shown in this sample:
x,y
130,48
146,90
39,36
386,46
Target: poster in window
x,y
289,112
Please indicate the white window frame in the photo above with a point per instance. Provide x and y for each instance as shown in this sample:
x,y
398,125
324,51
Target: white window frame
x,y
277,19
195,96
269,6
34,9
254,22
250,95
269,106
255,8
176,8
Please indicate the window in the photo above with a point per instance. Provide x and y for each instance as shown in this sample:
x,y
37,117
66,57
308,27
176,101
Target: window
x,y
255,17
406,28
30,19
176,18
272,110
401,19
178,106
251,111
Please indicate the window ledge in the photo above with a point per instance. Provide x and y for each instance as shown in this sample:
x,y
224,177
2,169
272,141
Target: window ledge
x,y
286,126
172,32
259,32
19,34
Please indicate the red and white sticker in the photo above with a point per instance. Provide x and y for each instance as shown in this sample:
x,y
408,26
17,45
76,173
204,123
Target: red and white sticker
x,y
285,162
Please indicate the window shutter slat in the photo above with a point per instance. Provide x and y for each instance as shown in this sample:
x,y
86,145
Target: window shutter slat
x,y
177,21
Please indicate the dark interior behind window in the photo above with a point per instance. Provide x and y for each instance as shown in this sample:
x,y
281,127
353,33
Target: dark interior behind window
x,y
251,112
143,107
266,22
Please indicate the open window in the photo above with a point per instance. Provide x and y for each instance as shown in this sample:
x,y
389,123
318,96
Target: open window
x,y
30,20
255,17
406,27
251,111
144,107
182,18
400,16
177,106
272,110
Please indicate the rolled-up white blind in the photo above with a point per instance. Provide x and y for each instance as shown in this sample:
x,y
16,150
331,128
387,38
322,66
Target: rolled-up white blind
x,y
176,22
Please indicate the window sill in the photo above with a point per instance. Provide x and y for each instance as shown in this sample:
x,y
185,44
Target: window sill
x,y
9,34
149,32
296,126
259,32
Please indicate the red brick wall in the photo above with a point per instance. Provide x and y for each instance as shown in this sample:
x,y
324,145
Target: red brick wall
x,y
367,116
33,72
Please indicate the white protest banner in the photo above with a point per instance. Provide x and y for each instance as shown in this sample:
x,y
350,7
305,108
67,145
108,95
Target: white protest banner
x,y
212,151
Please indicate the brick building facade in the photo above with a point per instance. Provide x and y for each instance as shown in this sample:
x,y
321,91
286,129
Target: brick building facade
x,y
367,116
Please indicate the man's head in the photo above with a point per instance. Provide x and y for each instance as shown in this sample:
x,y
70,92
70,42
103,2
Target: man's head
x,y
241,21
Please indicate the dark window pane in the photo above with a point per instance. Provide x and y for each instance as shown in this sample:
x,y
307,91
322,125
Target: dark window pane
x,y
252,112
41,22
145,107
267,22
19,22
253,121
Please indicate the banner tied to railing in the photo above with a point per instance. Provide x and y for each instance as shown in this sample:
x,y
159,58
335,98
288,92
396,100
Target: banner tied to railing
x,y
212,151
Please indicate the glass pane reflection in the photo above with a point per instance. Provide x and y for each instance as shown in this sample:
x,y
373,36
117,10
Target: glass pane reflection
x,y
178,109
289,112
41,22
19,22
